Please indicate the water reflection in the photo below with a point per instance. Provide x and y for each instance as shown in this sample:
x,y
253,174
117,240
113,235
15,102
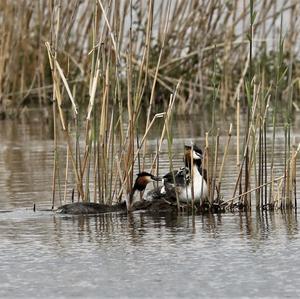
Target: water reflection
x,y
266,224
162,251
25,163
247,225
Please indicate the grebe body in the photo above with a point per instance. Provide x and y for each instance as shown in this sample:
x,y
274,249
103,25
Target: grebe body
x,y
188,182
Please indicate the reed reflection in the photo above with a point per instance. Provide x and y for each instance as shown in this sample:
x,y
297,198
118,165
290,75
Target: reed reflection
x,y
265,224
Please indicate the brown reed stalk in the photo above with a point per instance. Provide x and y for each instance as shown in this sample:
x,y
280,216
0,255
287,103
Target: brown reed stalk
x,y
192,176
285,189
238,133
66,175
156,70
231,200
259,193
54,33
280,71
170,154
214,169
223,160
58,96
55,156
292,176
294,173
265,159
206,165
167,116
247,138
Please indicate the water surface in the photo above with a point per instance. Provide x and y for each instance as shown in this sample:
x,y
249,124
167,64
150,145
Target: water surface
x,y
228,255
140,255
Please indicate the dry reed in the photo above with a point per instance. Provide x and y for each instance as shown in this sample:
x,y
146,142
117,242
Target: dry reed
x,y
108,62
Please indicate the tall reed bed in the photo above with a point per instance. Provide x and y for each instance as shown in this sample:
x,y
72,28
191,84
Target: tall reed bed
x,y
256,162
114,143
111,61
200,34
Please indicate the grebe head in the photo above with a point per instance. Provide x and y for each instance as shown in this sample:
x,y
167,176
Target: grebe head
x,y
143,178
196,154
140,184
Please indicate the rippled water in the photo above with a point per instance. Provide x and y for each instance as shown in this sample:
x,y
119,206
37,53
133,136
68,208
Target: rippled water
x,y
227,255
138,255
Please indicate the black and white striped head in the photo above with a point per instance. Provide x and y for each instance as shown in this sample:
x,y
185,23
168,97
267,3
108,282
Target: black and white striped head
x,y
143,178
193,152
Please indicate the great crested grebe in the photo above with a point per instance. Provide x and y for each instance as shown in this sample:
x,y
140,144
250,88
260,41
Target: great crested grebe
x,y
81,208
140,184
188,181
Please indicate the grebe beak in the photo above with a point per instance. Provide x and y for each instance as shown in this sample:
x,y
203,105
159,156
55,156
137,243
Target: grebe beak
x,y
156,178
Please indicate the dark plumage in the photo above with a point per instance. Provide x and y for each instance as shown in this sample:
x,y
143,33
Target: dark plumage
x,y
83,208
180,177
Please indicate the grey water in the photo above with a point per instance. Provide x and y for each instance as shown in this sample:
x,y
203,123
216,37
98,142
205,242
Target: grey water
x,y
43,254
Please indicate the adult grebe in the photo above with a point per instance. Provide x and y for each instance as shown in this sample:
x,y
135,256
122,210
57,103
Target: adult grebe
x,y
82,208
189,181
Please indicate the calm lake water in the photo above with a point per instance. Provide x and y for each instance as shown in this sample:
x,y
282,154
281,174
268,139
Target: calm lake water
x,y
118,255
